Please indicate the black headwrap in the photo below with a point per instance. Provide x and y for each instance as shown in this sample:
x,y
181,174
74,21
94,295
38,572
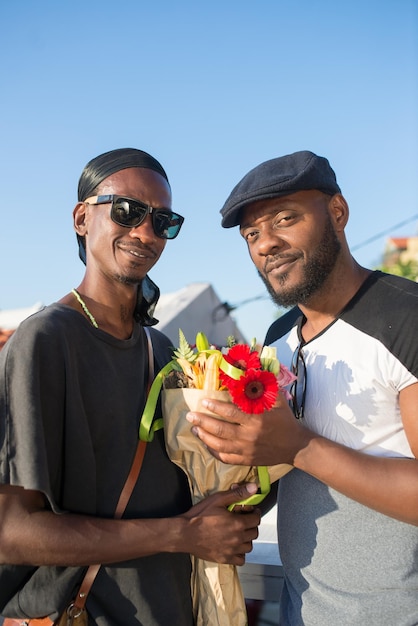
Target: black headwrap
x,y
94,173
111,162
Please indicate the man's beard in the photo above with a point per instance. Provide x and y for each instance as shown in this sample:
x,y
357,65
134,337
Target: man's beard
x,y
315,272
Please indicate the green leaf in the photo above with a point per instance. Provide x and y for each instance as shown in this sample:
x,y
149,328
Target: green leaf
x,y
231,341
184,351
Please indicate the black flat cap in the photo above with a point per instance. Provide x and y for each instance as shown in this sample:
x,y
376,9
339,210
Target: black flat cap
x,y
288,174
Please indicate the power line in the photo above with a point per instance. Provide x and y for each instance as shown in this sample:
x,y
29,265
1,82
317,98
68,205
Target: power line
x,y
222,310
384,232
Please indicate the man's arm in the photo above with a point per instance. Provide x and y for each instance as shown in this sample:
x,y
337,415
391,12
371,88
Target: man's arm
x,y
388,485
32,535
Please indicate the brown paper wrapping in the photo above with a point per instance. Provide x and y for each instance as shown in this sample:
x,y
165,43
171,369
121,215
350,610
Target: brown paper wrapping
x,y
216,589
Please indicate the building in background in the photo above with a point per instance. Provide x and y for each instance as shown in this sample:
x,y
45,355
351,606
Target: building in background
x,y
11,318
401,257
4,335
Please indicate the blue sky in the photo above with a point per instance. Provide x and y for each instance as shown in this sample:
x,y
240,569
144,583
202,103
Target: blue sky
x,y
211,90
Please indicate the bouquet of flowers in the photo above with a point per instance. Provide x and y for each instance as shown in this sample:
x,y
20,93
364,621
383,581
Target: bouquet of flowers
x,y
249,377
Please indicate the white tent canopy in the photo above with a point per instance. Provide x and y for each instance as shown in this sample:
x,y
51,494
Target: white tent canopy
x,y
11,318
196,308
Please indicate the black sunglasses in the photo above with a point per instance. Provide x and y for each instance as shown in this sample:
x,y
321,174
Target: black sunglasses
x,y
131,213
298,388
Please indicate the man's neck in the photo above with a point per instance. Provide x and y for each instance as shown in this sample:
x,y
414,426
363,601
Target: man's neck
x,y
324,306
112,307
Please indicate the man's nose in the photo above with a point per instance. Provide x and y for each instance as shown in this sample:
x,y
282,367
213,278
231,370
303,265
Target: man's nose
x,y
144,230
268,242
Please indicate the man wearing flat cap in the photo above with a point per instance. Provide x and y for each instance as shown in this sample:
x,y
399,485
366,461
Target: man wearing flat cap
x,y
348,511
73,385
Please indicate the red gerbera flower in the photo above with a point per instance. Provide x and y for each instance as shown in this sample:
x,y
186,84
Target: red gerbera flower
x,y
255,391
242,357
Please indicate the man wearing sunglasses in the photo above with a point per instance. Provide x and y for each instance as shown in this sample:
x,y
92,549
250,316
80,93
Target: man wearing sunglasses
x,y
348,511
73,384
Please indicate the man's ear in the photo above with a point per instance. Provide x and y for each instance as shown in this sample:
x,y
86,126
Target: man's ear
x,y
339,211
79,218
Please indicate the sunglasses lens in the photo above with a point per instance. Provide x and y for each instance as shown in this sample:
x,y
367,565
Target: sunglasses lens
x,y
128,213
166,224
132,213
298,389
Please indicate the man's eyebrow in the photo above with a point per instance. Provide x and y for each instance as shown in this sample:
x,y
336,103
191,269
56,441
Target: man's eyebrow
x,y
284,205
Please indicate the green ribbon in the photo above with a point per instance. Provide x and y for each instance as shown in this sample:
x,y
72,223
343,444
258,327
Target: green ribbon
x,y
148,426
264,489
230,370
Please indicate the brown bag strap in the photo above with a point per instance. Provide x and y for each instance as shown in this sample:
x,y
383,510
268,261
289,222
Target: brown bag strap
x,y
80,601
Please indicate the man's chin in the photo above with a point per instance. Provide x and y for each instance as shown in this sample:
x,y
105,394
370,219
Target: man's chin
x,y
130,279
285,300
281,293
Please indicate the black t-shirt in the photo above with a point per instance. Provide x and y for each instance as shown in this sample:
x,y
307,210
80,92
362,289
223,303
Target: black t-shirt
x,y
71,397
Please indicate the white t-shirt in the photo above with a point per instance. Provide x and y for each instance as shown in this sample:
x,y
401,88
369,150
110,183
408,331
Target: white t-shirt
x,y
344,563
